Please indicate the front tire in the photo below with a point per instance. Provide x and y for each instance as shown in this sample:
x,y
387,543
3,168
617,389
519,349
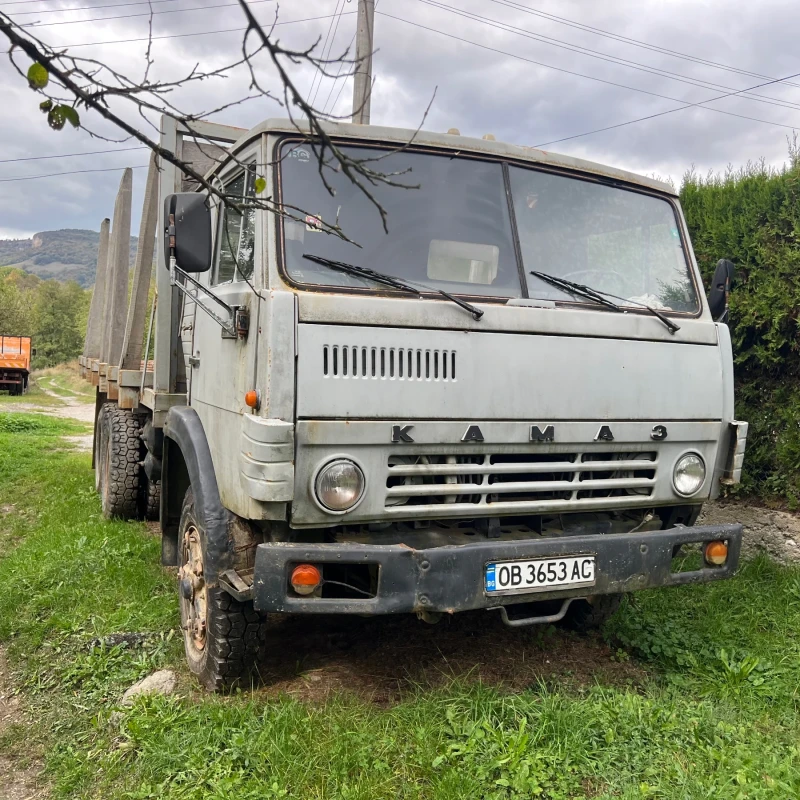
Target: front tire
x,y
222,636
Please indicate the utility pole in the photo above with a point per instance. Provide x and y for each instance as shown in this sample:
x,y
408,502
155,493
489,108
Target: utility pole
x,y
362,85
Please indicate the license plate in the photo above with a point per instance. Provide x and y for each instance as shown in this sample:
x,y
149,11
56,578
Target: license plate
x,y
508,577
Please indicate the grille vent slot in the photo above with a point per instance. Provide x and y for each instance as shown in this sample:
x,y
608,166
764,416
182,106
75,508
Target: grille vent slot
x,y
559,480
388,363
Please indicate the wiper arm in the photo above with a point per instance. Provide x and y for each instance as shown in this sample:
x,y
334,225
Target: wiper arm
x,y
388,280
671,326
600,297
577,289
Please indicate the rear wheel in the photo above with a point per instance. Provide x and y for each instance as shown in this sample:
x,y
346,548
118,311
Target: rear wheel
x,y
149,498
120,469
222,636
591,613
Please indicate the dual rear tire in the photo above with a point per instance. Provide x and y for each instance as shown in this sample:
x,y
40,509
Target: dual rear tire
x,y
124,489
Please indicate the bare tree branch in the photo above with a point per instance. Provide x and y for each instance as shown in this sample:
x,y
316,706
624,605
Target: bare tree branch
x,y
76,83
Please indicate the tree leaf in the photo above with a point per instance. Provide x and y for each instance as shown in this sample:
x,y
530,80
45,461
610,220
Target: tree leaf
x,y
45,106
37,76
59,115
56,118
71,115
260,185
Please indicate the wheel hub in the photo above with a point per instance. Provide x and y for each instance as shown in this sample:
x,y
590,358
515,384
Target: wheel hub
x,y
193,589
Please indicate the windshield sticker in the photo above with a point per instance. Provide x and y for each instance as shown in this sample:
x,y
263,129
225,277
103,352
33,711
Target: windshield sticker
x,y
301,155
314,223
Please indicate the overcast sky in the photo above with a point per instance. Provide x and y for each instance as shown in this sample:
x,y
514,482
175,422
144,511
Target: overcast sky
x,y
484,74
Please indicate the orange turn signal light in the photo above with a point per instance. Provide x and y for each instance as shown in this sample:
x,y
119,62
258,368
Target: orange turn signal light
x,y
251,399
305,578
716,553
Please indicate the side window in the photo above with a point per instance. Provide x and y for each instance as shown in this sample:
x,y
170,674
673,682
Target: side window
x,y
237,231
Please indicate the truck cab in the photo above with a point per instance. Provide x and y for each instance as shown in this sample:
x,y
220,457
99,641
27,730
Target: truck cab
x,y
15,363
510,396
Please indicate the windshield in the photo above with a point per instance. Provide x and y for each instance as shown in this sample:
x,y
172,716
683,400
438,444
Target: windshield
x,y
616,241
455,231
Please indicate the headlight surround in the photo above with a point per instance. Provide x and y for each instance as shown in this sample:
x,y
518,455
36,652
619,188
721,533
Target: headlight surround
x,y
689,474
339,485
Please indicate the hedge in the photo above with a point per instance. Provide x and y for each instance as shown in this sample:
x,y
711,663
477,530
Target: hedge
x,y
752,217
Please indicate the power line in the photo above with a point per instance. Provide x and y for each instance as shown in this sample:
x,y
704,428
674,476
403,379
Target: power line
x,y
26,2
628,40
333,82
36,26
330,50
73,155
73,172
560,43
582,75
183,35
507,3
20,2
90,8
338,74
318,71
663,113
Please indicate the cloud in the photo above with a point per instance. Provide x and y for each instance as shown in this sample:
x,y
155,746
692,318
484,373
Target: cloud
x,y
482,71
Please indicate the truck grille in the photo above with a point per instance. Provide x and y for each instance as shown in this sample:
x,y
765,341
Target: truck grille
x,y
552,479
388,363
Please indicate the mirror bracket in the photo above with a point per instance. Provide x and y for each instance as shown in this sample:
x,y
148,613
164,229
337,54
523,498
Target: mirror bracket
x,y
228,326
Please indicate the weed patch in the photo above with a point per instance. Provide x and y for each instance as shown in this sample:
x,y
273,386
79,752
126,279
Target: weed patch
x,y
14,422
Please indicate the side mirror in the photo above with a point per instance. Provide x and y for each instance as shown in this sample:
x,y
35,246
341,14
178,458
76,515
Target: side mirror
x,y
720,288
187,229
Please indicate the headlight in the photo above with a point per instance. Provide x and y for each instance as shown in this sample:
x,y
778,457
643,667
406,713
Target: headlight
x,y
339,485
690,472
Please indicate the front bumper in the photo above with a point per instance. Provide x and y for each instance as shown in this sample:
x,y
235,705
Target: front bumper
x,y
451,578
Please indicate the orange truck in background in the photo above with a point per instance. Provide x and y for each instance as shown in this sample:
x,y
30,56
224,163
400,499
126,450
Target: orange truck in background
x,y
15,363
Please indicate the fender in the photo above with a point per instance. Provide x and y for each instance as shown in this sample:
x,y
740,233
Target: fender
x,y
184,430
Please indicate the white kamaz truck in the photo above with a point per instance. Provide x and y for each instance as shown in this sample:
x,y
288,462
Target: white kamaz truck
x,y
516,400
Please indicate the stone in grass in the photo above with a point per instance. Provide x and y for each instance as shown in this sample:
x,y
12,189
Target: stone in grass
x,y
161,682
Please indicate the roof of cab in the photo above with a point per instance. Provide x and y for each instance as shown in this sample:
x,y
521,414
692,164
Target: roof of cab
x,y
464,143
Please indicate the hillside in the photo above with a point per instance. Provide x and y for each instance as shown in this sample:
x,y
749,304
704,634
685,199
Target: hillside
x,y
65,255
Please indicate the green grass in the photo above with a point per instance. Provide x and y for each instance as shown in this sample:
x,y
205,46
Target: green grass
x,y
715,714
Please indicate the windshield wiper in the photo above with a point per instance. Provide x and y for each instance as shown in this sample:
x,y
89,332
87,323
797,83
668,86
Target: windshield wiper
x,y
600,296
575,288
362,272
388,280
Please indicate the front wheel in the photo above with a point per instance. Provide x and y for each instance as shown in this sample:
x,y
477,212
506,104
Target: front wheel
x,y
222,636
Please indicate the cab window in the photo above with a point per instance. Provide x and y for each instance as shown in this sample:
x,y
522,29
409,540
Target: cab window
x,y
237,231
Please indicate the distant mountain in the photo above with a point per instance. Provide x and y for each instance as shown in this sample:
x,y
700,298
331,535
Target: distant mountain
x,y
66,255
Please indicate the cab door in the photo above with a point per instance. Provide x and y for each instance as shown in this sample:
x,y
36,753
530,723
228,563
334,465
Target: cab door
x,y
222,365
